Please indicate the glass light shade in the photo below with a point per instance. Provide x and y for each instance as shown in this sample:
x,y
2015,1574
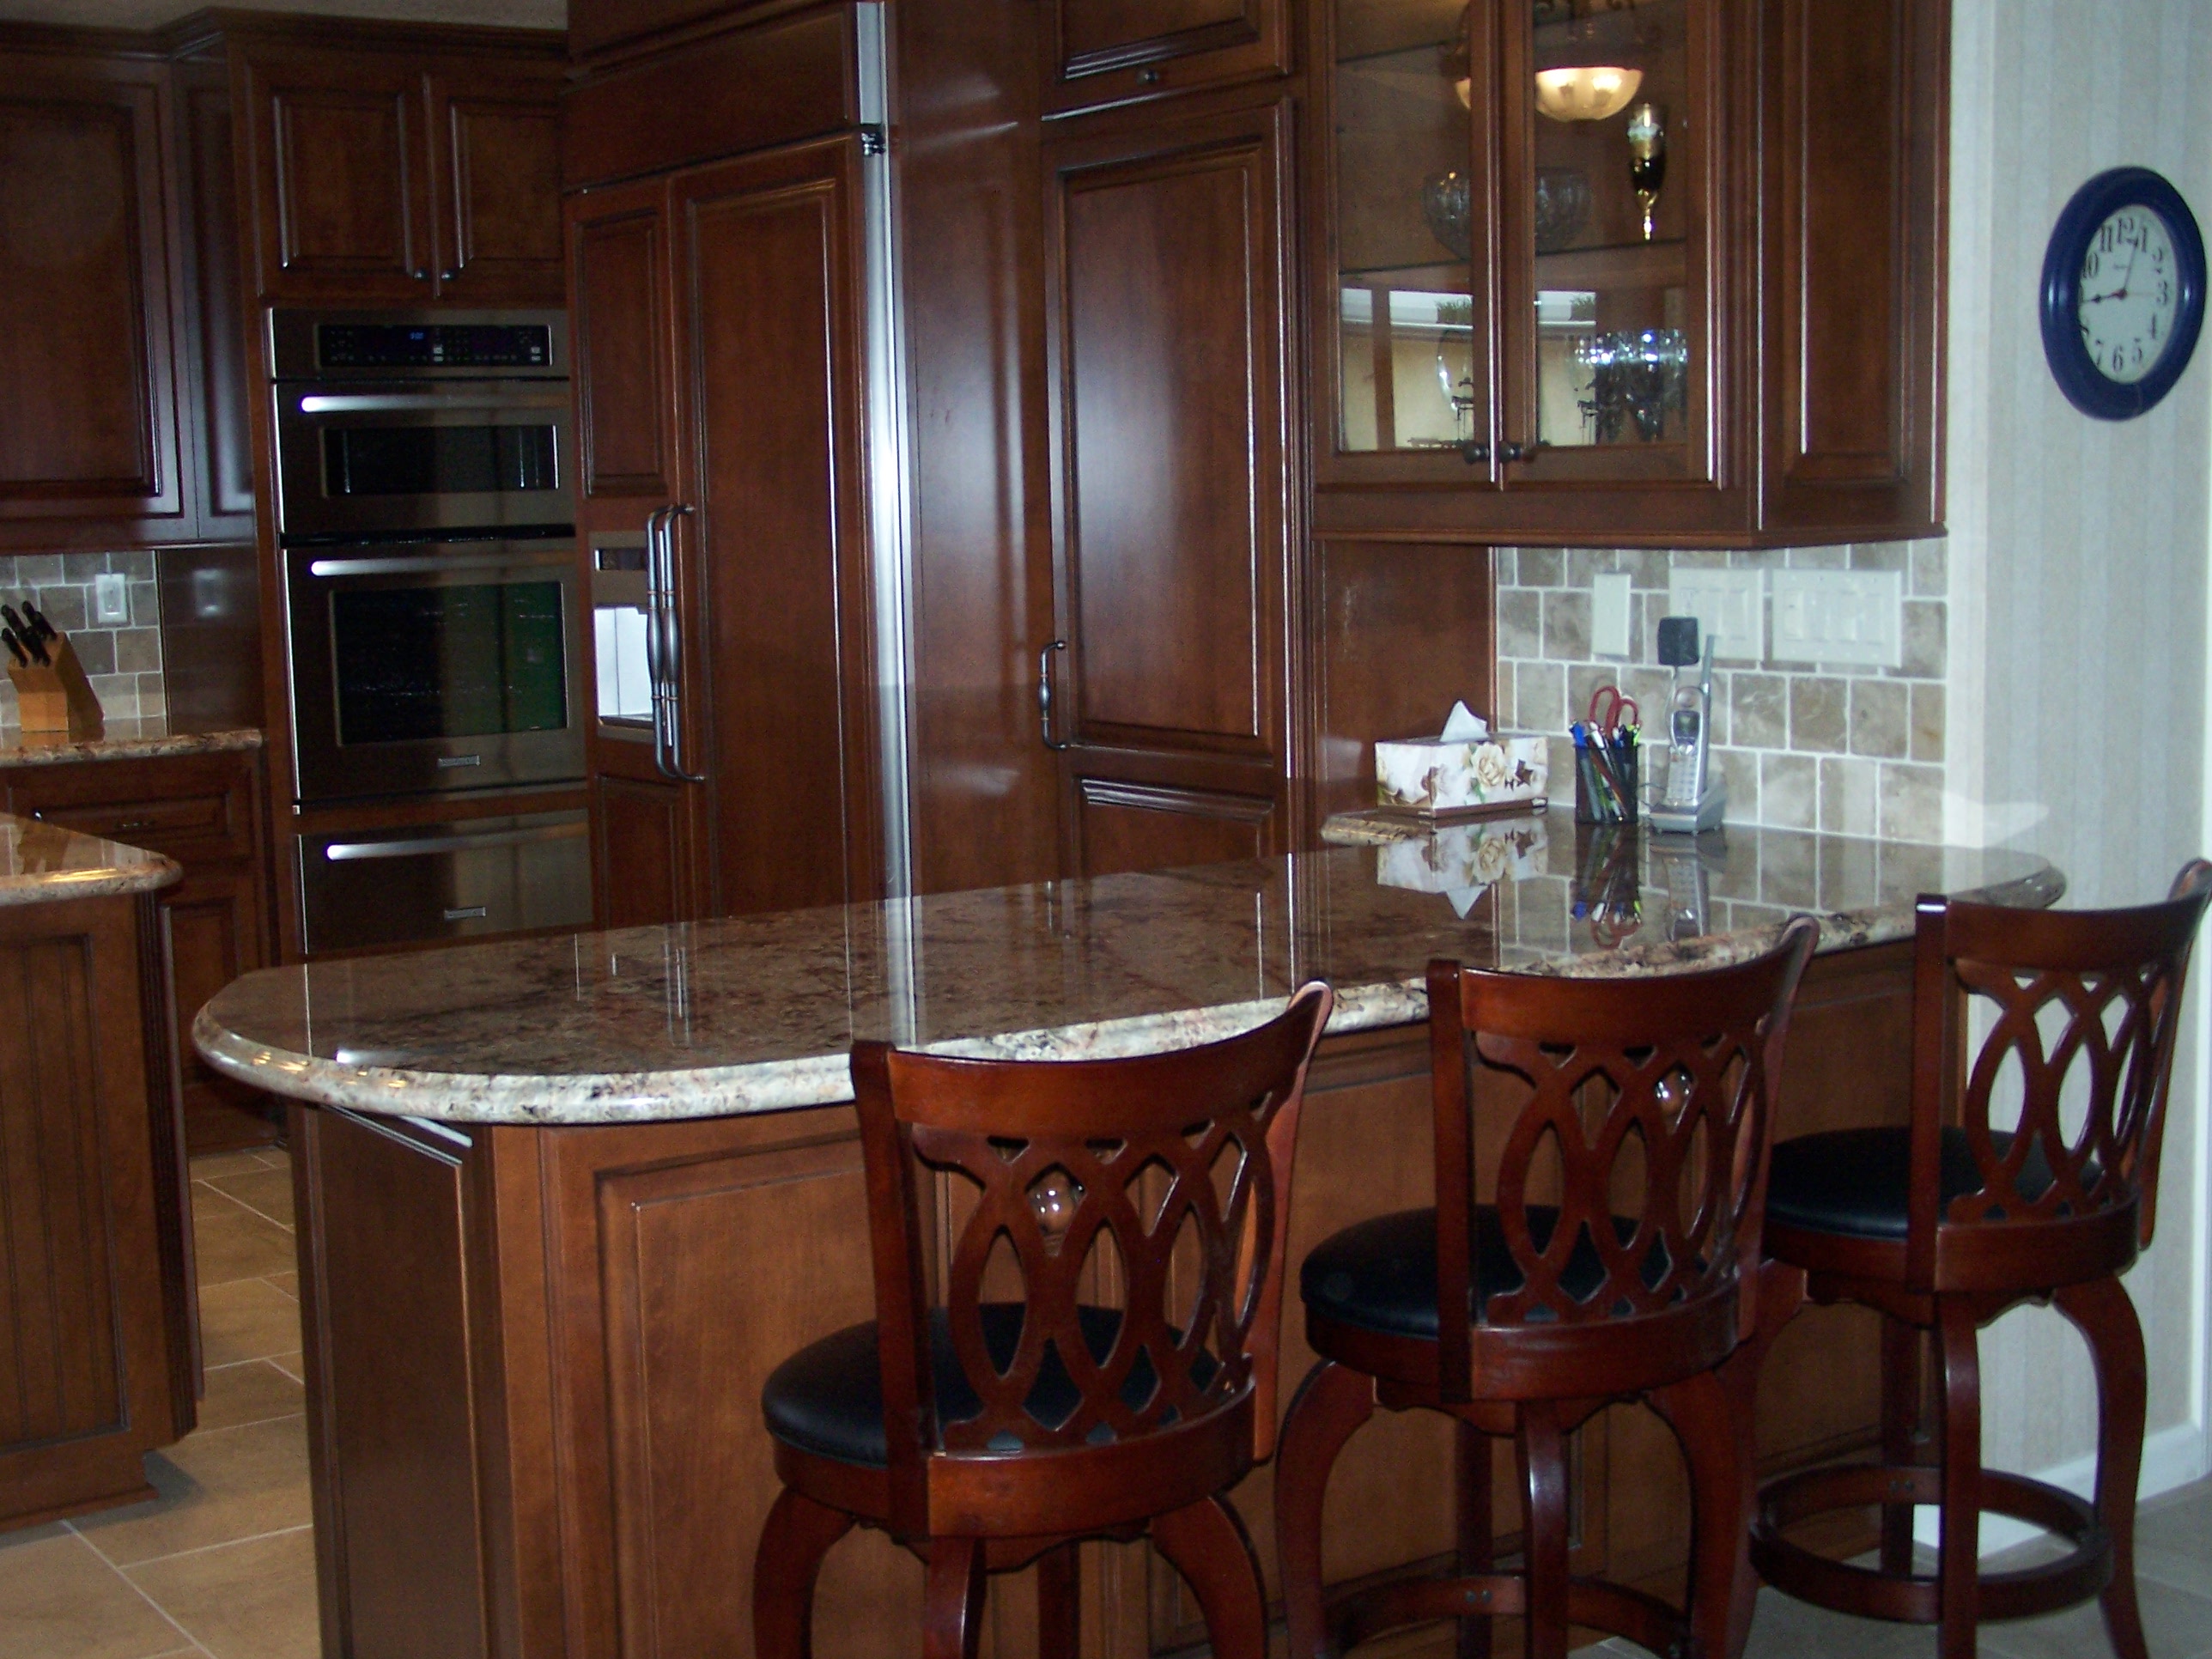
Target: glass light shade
x,y
1588,93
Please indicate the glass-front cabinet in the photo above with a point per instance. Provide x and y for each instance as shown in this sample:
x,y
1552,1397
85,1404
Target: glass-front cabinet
x,y
1517,306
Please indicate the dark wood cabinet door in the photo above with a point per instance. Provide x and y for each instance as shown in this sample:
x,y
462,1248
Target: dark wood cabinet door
x,y
494,147
641,846
340,170
1105,51
88,356
1172,483
597,26
774,557
214,928
216,420
1856,106
618,253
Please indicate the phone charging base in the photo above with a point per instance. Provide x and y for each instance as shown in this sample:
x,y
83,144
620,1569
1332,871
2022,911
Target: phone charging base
x,y
1691,821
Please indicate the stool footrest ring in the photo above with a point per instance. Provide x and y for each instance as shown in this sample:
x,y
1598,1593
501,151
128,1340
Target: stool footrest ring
x,y
1363,1615
1915,1598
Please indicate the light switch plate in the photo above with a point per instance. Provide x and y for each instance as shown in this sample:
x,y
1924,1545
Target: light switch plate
x,y
1727,605
111,598
1609,608
1840,616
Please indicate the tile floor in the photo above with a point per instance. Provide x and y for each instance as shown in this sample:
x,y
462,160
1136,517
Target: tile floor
x,y
222,1564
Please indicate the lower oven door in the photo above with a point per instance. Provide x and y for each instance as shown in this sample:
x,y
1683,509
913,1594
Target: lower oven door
x,y
428,667
426,883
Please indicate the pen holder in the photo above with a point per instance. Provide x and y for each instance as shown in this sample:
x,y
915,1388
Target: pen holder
x,y
56,698
1605,776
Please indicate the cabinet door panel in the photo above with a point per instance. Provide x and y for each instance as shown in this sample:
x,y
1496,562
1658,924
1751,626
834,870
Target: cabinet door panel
x,y
1105,50
213,930
87,373
223,439
769,326
496,150
338,159
644,874
1125,826
618,243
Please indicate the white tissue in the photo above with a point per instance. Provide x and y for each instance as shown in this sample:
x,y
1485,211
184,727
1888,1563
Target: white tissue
x,y
1465,725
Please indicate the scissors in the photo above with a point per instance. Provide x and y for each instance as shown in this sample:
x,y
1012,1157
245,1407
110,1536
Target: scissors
x,y
1610,712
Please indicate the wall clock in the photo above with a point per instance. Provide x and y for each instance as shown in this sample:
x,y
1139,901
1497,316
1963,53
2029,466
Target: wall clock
x,y
2122,293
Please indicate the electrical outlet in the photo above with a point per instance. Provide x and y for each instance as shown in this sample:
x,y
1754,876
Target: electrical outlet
x,y
1609,630
1727,605
1842,617
111,599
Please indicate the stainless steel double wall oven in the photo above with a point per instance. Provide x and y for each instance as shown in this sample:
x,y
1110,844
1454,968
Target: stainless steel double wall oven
x,y
425,508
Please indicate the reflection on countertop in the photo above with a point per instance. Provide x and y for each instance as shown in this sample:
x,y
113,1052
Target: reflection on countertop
x,y
756,1013
42,862
122,739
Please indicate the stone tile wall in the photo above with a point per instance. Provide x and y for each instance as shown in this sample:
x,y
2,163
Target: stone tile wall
x,y
123,662
1853,749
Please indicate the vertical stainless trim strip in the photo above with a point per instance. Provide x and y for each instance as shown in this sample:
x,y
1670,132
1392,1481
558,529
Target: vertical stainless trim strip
x,y
891,507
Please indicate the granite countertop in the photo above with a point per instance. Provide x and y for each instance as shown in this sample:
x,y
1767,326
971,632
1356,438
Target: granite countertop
x,y
42,862
756,1013
122,739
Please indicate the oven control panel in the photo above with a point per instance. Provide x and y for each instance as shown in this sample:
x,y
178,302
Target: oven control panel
x,y
443,345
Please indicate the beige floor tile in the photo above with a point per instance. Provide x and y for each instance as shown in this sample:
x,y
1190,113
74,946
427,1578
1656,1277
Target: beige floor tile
x,y
59,1601
250,1319
218,1486
269,1191
292,1365
2176,1625
249,1601
232,1243
287,1282
253,1391
248,1161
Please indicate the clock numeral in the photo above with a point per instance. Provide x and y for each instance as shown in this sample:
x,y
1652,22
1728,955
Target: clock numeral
x,y
2089,265
2105,238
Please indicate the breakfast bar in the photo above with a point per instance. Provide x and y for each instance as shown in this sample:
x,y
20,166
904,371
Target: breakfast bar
x,y
565,1201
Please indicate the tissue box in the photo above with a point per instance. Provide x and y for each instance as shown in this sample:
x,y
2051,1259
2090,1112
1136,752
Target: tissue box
x,y
1456,775
1464,860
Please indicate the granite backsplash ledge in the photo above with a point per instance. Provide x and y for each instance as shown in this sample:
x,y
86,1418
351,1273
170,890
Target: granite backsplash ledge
x,y
1850,751
123,660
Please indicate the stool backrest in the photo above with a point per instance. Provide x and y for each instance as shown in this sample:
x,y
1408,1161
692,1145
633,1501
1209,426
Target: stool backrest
x,y
1156,1186
1646,1131
2083,1008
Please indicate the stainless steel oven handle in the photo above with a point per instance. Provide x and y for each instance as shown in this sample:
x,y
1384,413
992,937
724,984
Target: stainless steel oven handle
x,y
564,556
425,403
344,852
665,645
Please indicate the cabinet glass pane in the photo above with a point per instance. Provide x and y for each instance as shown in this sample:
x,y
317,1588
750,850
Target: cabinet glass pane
x,y
1613,340
1403,215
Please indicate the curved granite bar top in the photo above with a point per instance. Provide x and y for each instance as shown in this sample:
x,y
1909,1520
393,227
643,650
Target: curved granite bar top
x,y
42,862
756,1013
122,739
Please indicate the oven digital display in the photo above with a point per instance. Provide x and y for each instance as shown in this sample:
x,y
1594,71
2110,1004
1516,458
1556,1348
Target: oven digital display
x,y
433,346
438,460
421,663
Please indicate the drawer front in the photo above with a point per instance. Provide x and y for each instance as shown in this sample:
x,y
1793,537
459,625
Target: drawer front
x,y
192,809
430,883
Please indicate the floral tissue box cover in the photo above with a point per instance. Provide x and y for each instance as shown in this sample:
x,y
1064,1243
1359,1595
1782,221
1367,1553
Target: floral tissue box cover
x,y
1441,775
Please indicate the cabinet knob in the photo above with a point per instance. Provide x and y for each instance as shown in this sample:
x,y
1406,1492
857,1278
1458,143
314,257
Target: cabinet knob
x,y
1150,77
422,274
448,276
1474,452
1513,451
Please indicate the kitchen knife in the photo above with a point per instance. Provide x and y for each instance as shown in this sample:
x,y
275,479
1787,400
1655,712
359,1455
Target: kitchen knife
x,y
15,647
23,629
45,630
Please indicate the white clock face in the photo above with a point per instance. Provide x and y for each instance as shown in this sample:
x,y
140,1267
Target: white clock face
x,y
2130,289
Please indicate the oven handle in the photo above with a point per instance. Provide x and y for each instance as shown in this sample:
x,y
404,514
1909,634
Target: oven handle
x,y
432,567
403,403
342,852
663,640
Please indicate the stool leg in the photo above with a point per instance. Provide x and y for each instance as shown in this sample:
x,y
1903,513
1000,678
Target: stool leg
x,y
1543,1448
1331,1405
1781,1294
798,1534
1208,1544
952,1599
1471,1506
2103,1313
1720,1519
1959,1571
1058,1607
1900,1419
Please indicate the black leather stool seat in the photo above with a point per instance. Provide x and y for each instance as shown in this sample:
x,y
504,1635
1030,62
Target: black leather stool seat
x,y
1380,1275
827,1398
1854,1181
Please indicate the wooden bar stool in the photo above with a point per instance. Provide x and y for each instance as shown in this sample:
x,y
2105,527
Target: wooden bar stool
x,y
1943,1226
1138,1210
1626,1273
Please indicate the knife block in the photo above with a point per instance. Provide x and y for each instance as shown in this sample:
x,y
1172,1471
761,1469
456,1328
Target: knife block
x,y
57,699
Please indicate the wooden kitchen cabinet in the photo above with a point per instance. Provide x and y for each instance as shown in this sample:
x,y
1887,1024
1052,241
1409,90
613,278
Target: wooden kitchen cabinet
x,y
403,174
204,811
1107,52
1174,488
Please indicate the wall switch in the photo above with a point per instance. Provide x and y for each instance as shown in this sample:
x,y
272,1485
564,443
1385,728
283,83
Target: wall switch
x,y
1854,617
1609,614
1727,605
111,599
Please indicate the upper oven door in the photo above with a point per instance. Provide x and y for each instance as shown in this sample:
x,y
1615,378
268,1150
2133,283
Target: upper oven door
x,y
367,460
426,666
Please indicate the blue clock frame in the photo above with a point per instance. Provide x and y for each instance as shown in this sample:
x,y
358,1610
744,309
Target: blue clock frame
x,y
2085,386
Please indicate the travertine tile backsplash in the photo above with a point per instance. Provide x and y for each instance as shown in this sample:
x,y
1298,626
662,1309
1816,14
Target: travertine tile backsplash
x,y
124,662
1858,750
